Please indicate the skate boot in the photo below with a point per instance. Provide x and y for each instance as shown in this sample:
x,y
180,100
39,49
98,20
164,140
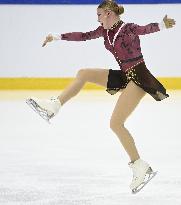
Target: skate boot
x,y
45,108
142,174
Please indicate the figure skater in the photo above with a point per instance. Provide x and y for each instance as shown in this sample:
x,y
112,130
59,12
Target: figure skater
x,y
133,78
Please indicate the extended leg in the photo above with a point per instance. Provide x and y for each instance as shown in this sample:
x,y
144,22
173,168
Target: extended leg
x,y
97,76
49,108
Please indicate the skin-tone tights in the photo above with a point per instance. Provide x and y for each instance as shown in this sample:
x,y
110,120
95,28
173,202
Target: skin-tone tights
x,y
127,102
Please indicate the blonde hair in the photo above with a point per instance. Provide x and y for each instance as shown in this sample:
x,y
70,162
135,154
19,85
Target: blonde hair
x,y
113,6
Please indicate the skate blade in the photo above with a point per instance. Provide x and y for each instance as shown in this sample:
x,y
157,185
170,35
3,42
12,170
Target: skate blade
x,y
41,112
140,187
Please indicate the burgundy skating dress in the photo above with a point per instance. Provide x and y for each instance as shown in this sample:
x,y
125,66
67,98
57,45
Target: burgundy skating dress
x,y
122,40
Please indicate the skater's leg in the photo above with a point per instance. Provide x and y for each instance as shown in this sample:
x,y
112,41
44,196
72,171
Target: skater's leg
x,y
50,107
127,102
97,76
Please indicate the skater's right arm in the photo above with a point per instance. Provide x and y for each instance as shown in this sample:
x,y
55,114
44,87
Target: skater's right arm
x,y
75,36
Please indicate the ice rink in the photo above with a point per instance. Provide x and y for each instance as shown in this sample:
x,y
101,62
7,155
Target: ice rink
x,y
78,160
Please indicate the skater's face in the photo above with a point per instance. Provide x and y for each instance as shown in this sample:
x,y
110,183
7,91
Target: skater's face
x,y
104,18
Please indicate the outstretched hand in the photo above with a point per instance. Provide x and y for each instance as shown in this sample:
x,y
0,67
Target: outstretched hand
x,y
169,23
49,38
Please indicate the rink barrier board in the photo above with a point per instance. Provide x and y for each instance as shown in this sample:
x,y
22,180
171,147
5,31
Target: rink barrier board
x,y
61,83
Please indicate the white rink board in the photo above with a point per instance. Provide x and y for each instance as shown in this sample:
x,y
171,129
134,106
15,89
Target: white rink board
x,y
24,27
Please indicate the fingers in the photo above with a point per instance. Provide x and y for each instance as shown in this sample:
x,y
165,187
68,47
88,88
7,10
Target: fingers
x,y
49,38
165,17
169,23
44,44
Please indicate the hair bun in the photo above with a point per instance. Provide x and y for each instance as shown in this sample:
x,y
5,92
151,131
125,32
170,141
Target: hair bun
x,y
121,10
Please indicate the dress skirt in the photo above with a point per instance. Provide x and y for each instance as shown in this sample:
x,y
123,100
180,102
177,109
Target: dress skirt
x,y
141,76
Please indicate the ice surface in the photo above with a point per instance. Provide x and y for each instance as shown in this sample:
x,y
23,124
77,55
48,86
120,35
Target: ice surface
x,y
78,160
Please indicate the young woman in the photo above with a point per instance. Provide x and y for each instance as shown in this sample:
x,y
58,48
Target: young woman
x,y
133,78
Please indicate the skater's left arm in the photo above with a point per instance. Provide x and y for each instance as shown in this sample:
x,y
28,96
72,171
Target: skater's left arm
x,y
152,27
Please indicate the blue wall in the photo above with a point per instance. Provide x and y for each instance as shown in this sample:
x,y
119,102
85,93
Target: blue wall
x,y
85,1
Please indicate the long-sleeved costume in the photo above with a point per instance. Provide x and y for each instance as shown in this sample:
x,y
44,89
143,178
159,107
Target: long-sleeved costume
x,y
122,40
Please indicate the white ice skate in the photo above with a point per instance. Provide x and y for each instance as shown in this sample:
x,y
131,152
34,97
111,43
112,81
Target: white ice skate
x,y
142,174
45,108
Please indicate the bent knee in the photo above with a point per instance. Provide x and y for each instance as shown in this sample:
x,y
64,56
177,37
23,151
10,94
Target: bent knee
x,y
82,73
116,124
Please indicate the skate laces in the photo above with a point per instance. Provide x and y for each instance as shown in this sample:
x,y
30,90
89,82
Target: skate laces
x,y
56,104
51,105
53,99
135,172
135,169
